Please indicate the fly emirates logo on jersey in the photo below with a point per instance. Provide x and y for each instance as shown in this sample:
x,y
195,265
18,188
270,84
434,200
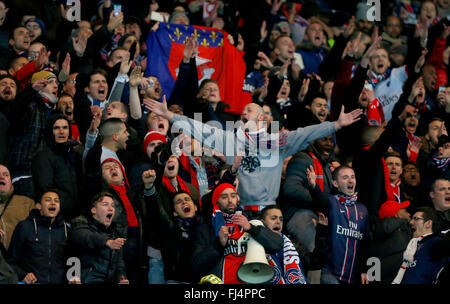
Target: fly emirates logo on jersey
x,y
351,231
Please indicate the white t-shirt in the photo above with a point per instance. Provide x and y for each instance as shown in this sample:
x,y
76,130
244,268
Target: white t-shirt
x,y
389,90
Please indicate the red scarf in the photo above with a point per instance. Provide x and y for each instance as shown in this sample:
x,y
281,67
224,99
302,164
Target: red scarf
x,y
318,170
181,185
186,164
131,215
393,192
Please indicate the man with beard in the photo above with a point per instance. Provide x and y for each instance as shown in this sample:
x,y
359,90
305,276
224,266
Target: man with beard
x,y
217,247
8,90
316,110
28,116
259,172
299,205
59,166
65,107
8,93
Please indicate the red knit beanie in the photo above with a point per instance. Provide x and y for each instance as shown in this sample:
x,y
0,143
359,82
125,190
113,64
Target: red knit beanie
x,y
151,136
218,191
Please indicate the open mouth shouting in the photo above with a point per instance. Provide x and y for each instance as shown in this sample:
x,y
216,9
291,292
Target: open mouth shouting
x,y
68,113
322,115
52,210
276,228
109,217
7,93
101,93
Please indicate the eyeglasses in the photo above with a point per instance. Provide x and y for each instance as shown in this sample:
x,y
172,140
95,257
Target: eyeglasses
x,y
416,218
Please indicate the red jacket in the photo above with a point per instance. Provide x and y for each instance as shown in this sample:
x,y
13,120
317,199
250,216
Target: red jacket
x,y
436,60
24,74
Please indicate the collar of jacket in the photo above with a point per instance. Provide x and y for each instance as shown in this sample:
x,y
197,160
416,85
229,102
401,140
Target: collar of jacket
x,y
99,225
45,220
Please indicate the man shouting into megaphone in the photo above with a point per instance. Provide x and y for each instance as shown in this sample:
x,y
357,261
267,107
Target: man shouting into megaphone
x,y
220,247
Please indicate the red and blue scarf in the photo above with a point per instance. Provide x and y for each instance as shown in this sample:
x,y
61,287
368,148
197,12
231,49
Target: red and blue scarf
x,y
287,265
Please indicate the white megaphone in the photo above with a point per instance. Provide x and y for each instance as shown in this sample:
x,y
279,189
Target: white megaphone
x,y
255,269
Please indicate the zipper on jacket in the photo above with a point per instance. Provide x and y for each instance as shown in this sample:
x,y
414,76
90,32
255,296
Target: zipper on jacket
x,y
49,253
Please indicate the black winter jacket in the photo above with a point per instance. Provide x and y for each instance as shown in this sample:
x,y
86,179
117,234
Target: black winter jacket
x,y
99,263
390,237
296,189
59,166
39,246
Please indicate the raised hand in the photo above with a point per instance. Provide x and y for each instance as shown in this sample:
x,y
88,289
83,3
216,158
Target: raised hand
x,y
350,28
148,178
414,146
304,89
136,76
264,60
159,108
66,65
190,48
79,44
346,119
354,45
42,57
125,64
237,161
263,31
370,51
311,176
96,119
114,21
421,61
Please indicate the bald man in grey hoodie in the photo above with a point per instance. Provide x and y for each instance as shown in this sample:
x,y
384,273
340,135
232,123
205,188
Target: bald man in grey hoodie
x,y
260,170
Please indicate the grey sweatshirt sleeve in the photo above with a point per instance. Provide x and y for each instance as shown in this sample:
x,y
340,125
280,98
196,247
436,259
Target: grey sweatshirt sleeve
x,y
117,89
299,139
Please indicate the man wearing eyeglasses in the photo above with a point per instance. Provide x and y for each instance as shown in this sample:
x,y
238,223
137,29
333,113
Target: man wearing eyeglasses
x,y
427,252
